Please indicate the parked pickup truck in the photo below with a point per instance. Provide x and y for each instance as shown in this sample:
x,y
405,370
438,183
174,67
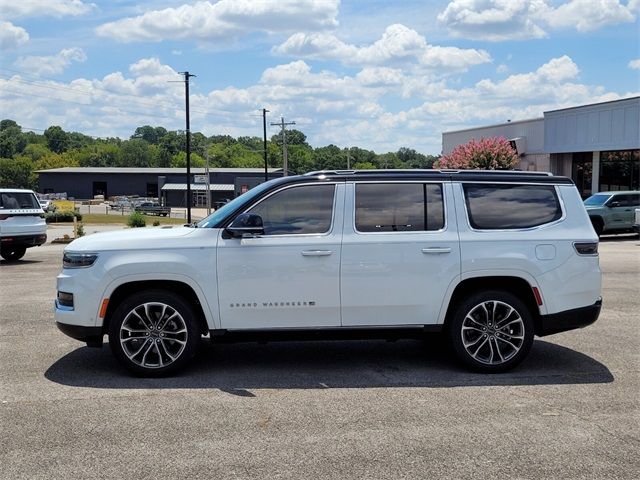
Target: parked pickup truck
x,y
150,208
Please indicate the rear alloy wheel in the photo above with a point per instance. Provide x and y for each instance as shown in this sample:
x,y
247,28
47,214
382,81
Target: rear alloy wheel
x,y
154,333
11,254
491,331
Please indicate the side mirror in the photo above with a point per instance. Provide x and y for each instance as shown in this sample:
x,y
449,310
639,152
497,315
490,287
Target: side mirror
x,y
246,224
613,204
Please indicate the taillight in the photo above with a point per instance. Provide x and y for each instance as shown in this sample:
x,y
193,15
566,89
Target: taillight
x,y
586,248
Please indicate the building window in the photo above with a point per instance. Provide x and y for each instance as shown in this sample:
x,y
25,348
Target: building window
x,y
619,170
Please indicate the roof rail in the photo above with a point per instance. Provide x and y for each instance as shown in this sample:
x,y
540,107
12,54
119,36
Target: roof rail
x,y
416,170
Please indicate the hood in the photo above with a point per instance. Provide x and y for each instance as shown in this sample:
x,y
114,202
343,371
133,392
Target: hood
x,y
132,239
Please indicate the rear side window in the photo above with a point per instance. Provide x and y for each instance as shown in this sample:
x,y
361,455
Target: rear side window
x,y
18,201
500,207
399,207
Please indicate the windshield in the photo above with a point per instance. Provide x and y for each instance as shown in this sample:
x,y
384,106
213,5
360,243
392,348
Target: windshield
x,y
18,200
225,210
597,199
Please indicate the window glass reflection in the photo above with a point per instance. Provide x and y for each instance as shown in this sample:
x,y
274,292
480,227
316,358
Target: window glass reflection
x,y
497,206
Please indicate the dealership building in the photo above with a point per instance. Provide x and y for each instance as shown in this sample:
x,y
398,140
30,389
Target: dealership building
x,y
597,145
169,185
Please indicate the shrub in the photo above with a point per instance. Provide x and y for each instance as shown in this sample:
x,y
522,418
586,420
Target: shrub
x,y
61,216
156,223
79,230
136,219
487,154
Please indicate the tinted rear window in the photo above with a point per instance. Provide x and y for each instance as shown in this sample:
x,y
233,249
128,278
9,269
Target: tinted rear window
x,y
18,201
499,207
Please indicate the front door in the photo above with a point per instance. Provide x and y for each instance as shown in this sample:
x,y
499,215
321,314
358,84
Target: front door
x,y
288,277
400,253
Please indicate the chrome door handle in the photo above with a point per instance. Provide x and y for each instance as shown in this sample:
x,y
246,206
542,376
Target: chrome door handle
x,y
316,253
436,250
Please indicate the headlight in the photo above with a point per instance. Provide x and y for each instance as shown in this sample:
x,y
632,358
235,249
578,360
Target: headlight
x,y
78,260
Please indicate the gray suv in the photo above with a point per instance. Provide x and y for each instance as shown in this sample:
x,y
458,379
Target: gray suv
x,y
612,212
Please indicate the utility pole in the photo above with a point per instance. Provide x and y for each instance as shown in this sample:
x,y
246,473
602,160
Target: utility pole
x,y
187,75
264,137
282,125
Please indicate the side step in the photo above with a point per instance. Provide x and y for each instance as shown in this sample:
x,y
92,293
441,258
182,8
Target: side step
x,y
319,334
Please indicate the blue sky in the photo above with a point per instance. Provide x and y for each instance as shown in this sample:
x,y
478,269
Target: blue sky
x,y
374,74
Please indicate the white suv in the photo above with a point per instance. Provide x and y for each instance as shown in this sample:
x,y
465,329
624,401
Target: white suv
x,y
489,258
22,223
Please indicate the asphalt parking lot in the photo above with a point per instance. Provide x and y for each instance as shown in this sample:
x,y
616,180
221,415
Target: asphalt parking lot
x,y
370,409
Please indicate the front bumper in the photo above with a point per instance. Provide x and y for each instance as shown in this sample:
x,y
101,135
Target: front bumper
x,y
569,319
92,336
23,240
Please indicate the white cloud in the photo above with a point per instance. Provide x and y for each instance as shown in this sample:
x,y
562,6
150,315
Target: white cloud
x,y
398,45
496,20
634,64
12,36
51,65
206,21
502,68
345,110
43,8
493,20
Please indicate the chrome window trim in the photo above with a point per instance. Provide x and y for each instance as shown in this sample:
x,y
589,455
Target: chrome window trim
x,y
298,235
410,232
520,229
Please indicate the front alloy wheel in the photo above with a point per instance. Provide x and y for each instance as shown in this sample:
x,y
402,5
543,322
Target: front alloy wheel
x,y
153,333
492,331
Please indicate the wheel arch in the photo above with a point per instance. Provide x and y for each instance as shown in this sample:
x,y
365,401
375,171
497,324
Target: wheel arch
x,y
183,289
515,285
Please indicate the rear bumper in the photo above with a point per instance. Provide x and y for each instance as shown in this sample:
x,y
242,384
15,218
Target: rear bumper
x,y
91,335
23,240
569,319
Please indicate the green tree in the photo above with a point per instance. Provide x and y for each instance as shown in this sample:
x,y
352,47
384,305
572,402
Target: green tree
x,y
12,140
328,158
57,139
99,155
179,160
35,151
16,173
135,153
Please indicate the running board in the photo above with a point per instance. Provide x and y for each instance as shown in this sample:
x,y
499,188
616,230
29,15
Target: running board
x,y
319,334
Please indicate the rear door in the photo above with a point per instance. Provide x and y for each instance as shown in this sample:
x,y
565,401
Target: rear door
x,y
400,252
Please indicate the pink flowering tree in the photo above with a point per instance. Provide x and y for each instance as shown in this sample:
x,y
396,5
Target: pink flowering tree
x,y
486,154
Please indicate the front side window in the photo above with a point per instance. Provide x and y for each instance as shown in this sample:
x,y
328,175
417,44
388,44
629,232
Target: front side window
x,y
300,210
627,200
500,207
399,207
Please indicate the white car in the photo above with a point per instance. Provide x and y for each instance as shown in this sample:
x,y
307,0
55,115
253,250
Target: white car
x,y
22,223
489,258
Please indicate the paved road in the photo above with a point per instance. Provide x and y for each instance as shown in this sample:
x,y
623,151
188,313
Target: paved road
x,y
319,410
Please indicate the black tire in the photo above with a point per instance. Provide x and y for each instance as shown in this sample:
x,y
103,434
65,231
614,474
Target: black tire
x,y
597,226
498,350
164,350
12,254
